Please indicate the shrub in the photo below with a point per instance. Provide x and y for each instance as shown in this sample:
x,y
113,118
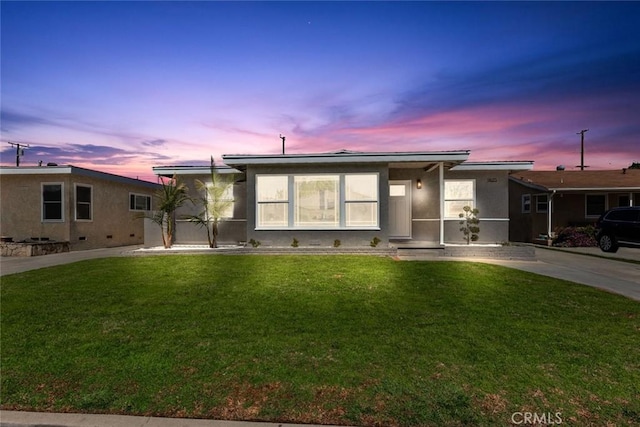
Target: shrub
x,y
374,242
576,237
336,243
254,243
295,243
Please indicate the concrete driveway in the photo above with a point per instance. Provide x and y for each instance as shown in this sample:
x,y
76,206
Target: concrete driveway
x,y
610,273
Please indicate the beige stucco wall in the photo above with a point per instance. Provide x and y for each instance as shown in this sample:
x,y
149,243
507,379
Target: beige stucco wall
x,y
112,223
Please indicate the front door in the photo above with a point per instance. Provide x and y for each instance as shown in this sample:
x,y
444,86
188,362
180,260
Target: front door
x,y
399,209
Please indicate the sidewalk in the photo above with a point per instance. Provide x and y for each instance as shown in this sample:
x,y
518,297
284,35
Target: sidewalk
x,y
43,419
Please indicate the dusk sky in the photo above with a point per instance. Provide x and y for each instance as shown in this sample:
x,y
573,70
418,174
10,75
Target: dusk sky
x,y
124,86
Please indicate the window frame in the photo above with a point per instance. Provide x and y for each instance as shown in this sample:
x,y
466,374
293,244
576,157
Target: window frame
x,y
148,197
351,202
76,202
446,199
340,209
586,205
546,203
42,202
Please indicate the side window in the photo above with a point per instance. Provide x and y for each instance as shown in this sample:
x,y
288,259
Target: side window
x,y
526,203
139,202
84,209
542,205
52,202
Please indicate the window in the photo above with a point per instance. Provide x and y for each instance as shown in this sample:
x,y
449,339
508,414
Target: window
x,y
624,200
542,203
139,202
457,195
361,200
52,202
526,203
83,202
272,195
317,201
225,198
595,205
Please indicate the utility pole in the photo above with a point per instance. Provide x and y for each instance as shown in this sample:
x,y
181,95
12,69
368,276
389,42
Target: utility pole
x,y
581,133
282,138
19,151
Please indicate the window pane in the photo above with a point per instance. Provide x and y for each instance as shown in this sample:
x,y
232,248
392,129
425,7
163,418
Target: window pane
x,y
52,193
458,189
361,214
83,194
453,208
396,190
361,187
83,211
273,215
53,211
272,188
316,201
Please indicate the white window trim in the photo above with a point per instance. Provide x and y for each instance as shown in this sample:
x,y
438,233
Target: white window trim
x,y
606,204
75,202
445,199
290,202
141,195
42,218
524,210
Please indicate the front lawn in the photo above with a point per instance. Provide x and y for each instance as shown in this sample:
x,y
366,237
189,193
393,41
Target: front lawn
x,y
351,340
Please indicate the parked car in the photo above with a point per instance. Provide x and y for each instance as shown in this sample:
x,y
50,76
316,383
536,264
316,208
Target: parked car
x,y
619,227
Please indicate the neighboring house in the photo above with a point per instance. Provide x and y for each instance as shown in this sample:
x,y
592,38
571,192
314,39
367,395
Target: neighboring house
x,y
541,202
401,198
87,208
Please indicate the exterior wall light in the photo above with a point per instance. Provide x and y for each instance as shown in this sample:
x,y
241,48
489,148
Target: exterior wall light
x,y
418,184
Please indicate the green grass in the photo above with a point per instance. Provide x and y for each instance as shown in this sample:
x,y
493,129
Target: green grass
x,y
317,339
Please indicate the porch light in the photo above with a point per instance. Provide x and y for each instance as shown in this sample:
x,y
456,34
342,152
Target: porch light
x,y
418,184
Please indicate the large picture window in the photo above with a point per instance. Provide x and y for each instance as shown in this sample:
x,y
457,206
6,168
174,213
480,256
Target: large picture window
x,y
52,202
317,201
83,202
458,194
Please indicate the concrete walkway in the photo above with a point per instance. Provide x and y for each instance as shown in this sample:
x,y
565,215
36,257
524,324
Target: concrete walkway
x,y
43,419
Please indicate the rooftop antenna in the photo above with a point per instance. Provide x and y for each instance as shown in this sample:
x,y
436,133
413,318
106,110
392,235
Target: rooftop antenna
x,y
19,150
282,138
581,133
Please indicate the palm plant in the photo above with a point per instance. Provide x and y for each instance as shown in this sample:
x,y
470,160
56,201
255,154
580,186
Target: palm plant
x,y
170,197
214,203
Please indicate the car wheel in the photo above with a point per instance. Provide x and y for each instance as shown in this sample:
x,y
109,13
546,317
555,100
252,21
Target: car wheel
x,y
607,243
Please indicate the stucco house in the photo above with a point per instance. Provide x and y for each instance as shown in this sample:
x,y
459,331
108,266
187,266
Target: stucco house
x,y
404,199
542,202
88,208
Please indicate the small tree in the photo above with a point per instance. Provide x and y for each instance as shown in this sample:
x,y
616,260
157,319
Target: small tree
x,y
469,224
170,197
214,203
